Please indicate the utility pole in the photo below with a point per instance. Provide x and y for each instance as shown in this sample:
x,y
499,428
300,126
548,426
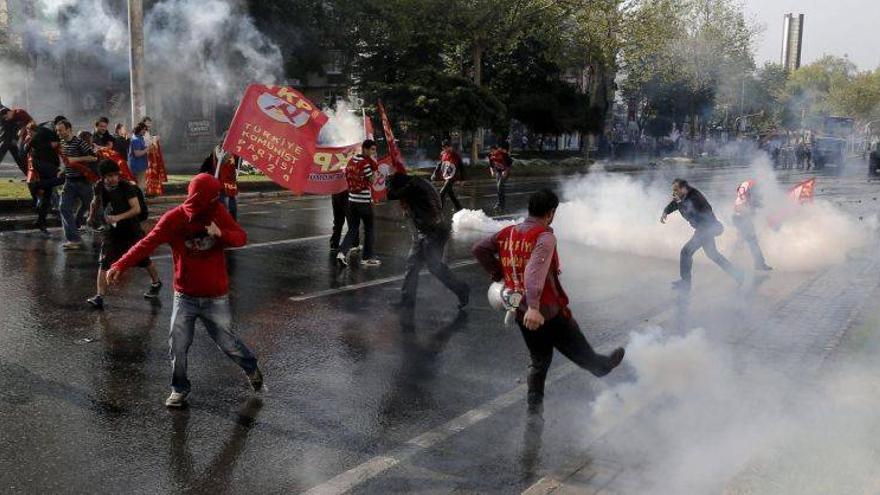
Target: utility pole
x,y
136,60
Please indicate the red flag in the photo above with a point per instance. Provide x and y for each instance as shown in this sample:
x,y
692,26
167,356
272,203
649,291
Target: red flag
x,y
111,154
800,194
803,192
383,170
327,175
393,150
276,129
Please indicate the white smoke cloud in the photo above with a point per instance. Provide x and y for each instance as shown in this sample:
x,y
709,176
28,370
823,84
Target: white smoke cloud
x,y
194,49
620,213
345,126
701,419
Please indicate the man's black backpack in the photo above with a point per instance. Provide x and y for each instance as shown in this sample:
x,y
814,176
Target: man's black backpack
x,y
142,200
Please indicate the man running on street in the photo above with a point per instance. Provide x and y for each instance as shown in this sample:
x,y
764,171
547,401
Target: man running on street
x,y
421,202
118,202
744,206
12,121
77,193
499,166
198,231
360,175
524,256
450,169
694,207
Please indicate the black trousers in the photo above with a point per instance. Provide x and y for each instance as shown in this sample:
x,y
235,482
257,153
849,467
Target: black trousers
x,y
563,334
427,250
500,180
704,238
357,213
340,210
48,173
17,155
746,229
448,190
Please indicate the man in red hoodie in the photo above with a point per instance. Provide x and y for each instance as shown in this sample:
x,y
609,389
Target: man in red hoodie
x,y
198,231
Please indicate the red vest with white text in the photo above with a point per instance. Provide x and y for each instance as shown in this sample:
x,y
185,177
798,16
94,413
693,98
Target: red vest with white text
x,y
515,248
743,201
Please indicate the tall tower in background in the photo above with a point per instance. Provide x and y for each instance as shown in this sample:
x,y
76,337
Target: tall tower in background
x,y
792,39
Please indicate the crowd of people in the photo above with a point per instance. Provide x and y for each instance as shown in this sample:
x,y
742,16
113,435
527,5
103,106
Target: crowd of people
x,y
109,196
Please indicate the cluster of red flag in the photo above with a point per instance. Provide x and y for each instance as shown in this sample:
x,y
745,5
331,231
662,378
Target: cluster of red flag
x,y
276,129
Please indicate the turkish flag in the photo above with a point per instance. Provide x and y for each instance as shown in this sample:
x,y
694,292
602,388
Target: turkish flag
x,y
393,150
276,129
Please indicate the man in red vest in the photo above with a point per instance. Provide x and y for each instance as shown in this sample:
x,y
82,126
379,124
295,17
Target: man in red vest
x,y
524,256
747,200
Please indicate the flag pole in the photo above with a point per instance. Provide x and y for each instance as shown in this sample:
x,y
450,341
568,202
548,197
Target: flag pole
x,y
364,121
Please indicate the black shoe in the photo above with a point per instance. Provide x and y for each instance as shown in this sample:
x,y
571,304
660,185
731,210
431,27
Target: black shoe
x,y
681,285
616,358
153,291
256,379
96,302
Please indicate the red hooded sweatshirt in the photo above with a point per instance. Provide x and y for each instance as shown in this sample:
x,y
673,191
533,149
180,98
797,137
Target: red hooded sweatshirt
x,y
199,260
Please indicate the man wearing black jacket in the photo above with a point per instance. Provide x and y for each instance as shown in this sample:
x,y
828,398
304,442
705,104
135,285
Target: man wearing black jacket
x,y
694,207
421,202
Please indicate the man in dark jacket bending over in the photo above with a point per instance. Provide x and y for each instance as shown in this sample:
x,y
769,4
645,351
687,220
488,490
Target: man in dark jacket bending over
x,y
698,212
421,202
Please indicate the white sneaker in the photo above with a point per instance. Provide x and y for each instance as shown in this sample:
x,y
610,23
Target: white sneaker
x,y
342,259
176,400
371,262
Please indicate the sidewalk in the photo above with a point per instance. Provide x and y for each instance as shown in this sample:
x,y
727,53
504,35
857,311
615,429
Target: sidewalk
x,y
800,340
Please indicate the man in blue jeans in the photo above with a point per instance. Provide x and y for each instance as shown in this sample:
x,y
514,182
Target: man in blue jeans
x,y
198,231
77,193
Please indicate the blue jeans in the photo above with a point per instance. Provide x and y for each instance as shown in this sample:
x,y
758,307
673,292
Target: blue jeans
x,y
215,313
75,190
231,204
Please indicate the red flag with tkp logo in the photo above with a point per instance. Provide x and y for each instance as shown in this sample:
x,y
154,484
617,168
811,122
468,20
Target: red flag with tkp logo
x,y
276,129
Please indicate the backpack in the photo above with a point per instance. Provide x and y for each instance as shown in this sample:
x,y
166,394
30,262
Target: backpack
x,y
142,200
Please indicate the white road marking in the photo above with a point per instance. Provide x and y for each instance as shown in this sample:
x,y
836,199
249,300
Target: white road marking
x,y
348,480
369,283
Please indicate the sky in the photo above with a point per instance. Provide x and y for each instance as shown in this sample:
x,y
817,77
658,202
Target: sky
x,y
836,27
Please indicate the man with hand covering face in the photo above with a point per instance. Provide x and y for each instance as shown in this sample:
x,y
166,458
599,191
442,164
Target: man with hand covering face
x,y
198,231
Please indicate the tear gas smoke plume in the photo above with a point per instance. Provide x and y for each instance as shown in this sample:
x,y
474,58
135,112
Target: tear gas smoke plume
x,y
199,53
619,213
345,126
702,419
714,408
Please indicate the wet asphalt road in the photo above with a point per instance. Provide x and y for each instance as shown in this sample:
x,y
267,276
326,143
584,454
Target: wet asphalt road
x,y
358,399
